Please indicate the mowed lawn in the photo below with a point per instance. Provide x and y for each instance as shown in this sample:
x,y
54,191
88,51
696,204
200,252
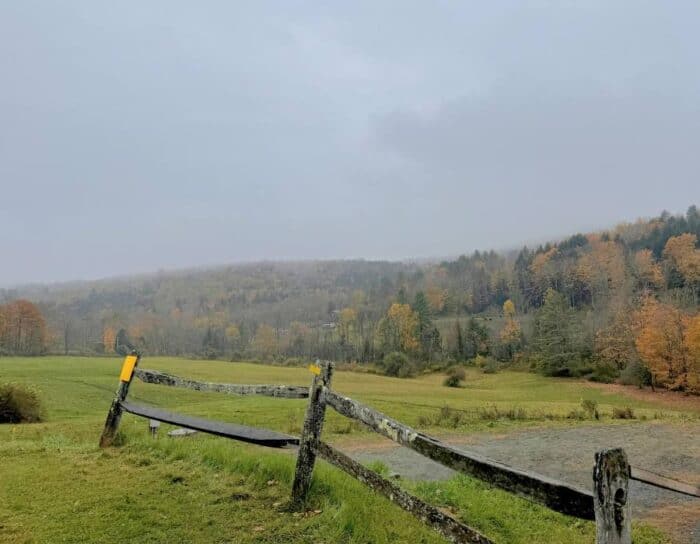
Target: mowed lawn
x,y
56,485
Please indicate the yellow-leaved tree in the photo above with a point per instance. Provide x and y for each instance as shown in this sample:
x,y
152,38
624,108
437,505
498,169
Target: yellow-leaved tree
x,y
511,333
233,336
265,341
436,298
683,253
346,324
615,343
602,269
647,270
398,330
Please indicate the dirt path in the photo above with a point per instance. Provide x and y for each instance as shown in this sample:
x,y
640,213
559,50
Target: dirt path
x,y
665,399
567,454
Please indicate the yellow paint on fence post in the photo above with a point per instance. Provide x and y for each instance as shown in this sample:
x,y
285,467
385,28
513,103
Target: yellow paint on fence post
x,y
128,368
315,369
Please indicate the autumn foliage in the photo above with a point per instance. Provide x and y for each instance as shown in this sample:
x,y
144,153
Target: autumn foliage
x,y
684,254
22,328
668,342
399,329
622,303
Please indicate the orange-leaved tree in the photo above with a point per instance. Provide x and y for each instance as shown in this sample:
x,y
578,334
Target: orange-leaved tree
x,y
109,335
647,270
22,328
661,344
692,342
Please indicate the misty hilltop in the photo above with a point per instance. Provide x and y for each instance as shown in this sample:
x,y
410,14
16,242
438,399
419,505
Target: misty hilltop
x,y
357,310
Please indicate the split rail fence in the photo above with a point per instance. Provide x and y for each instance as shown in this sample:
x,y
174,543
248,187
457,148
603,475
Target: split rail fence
x,y
243,433
607,504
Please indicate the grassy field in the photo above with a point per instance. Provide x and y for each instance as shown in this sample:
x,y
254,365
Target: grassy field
x,y
57,486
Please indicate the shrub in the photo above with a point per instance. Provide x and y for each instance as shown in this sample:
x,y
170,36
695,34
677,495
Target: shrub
x,y
406,371
479,361
455,376
397,364
603,373
637,374
490,366
19,404
451,381
623,413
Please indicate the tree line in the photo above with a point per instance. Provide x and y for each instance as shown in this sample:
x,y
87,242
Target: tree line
x,y
616,304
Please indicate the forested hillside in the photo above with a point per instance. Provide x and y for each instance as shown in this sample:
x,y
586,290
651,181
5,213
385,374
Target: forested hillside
x,y
622,302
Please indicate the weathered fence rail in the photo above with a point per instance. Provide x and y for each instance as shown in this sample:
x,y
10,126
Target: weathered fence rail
x,y
242,433
657,480
556,495
608,504
161,378
446,525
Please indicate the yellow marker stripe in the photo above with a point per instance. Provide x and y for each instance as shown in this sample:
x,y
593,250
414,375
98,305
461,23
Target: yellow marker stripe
x,y
128,368
315,369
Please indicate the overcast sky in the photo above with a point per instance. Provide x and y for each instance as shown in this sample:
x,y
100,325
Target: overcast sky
x,y
138,136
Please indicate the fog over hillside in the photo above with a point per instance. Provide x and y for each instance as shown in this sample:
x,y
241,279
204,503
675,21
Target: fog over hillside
x,y
139,137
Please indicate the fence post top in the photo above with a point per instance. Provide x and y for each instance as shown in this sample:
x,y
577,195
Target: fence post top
x,y
611,497
326,369
618,453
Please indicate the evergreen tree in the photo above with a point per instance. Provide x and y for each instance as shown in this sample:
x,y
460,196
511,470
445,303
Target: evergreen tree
x,y
401,296
212,345
554,340
428,334
459,351
476,339
422,309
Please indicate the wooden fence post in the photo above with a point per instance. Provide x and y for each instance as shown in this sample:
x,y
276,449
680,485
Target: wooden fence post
x,y
311,433
114,415
611,497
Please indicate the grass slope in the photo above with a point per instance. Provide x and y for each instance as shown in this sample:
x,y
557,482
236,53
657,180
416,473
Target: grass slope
x,y
57,486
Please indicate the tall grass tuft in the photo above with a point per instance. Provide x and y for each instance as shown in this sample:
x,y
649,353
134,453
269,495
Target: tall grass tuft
x,y
623,413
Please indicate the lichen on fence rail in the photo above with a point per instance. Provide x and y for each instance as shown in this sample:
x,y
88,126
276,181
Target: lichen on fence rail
x,y
284,391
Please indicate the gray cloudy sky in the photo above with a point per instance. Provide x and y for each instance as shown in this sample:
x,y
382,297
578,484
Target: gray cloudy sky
x,y
143,135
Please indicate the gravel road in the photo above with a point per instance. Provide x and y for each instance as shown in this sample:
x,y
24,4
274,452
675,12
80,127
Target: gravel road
x,y
567,454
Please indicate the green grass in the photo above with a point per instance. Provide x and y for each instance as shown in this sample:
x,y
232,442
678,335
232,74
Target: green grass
x,y
57,486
